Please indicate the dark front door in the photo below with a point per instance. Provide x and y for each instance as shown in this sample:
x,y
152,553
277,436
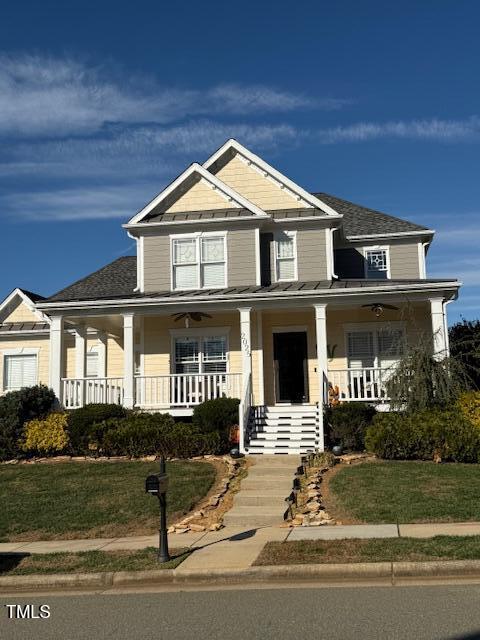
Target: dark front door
x,y
290,358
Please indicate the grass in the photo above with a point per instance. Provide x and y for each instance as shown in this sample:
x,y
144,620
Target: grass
x,y
88,561
93,500
406,492
375,550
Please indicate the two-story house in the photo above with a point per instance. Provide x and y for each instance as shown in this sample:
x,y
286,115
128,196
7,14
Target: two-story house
x,y
243,285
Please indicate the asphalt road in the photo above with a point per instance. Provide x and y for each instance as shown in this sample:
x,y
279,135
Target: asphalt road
x,y
416,612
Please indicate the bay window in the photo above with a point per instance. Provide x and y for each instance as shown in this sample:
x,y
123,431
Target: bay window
x,y
199,262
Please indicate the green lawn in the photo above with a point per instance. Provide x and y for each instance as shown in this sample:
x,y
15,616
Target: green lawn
x,y
406,492
88,561
87,500
376,550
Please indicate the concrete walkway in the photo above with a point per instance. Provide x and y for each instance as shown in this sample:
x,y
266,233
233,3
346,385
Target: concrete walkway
x,y
237,547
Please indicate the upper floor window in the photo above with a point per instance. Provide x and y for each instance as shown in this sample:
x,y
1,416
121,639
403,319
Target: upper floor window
x,y
199,262
377,263
286,256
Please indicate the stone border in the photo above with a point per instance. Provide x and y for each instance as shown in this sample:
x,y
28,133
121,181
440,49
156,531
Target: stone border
x,y
387,572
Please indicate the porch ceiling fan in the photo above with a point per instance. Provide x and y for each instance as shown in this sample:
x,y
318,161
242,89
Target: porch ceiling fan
x,y
196,316
378,307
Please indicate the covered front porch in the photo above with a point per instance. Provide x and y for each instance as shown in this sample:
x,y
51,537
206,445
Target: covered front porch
x,y
268,355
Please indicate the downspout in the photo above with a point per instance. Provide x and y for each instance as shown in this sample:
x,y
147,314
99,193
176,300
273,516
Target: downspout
x,y
424,265
332,253
445,324
137,240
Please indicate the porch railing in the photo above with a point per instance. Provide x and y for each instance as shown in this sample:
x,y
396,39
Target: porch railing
x,y
76,392
185,390
365,385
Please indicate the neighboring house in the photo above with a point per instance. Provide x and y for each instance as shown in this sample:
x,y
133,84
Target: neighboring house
x,y
282,294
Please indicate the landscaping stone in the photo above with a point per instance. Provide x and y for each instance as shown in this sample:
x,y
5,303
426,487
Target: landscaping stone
x,y
197,527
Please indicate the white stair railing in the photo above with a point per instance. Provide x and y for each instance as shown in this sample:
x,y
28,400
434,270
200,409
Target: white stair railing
x,y
367,384
244,412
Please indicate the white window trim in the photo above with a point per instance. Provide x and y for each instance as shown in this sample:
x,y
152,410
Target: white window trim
x,y
198,236
368,248
277,236
21,351
199,333
373,327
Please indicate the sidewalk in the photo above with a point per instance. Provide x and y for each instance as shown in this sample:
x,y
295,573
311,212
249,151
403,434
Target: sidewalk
x,y
237,548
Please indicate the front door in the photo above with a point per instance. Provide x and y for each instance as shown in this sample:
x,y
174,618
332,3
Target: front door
x,y
290,360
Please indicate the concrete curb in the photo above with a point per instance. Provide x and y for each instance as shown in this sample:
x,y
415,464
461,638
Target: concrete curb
x,y
386,572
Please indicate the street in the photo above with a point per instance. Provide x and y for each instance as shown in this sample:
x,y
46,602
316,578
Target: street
x,y
419,612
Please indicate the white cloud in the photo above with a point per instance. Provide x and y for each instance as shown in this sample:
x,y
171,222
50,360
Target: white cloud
x,y
49,96
429,129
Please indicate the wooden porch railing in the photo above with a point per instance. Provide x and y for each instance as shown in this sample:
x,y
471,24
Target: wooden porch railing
x,y
366,385
185,390
77,392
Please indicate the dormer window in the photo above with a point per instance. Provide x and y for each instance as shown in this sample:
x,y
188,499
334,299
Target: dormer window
x,y
377,263
199,261
286,256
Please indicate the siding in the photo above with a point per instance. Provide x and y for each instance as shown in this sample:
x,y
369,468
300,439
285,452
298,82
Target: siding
x,y
199,197
241,257
21,313
312,254
257,188
404,260
156,263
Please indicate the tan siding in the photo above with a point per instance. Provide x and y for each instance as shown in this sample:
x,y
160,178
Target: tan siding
x,y
21,313
28,343
200,196
257,188
114,358
312,254
156,263
404,260
241,257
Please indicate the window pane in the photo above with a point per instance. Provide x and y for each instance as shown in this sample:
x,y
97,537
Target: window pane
x,y
286,269
20,371
360,349
185,251
215,348
186,355
213,275
377,263
285,247
390,342
92,365
185,277
213,250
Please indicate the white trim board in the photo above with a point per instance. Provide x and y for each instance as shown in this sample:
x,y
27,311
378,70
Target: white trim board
x,y
232,196
27,301
258,162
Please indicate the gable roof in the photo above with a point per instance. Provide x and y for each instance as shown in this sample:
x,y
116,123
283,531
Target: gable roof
x,y
28,298
116,279
192,170
233,145
363,221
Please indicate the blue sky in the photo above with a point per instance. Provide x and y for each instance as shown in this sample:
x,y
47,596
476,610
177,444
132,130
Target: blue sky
x,y
103,103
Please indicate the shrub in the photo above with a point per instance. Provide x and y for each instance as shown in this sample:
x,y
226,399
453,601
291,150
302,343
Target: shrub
x,y
469,405
423,436
18,407
46,436
80,422
348,422
146,434
216,415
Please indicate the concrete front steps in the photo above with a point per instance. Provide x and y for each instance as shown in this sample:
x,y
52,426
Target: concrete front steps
x,y
288,429
261,499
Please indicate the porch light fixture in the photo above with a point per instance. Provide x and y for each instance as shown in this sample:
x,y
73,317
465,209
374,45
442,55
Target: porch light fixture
x,y
196,316
379,307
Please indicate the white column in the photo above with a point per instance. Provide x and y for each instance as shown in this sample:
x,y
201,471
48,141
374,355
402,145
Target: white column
x,y
261,381
246,342
322,365
102,354
56,355
128,360
80,352
438,328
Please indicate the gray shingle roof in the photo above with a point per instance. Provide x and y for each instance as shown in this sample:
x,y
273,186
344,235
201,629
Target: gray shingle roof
x,y
34,297
119,279
362,221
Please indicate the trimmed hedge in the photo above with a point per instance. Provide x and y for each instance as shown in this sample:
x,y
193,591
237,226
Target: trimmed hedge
x,y
17,408
348,422
437,433
216,415
81,422
47,436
